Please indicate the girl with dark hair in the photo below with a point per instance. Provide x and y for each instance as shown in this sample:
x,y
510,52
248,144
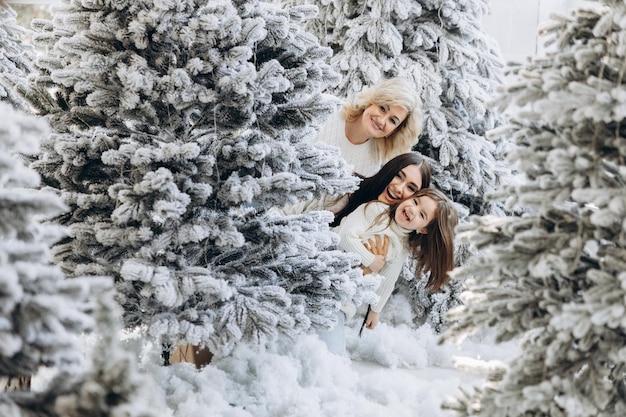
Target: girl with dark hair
x,y
421,226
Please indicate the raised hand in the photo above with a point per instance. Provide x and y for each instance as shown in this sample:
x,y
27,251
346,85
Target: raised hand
x,y
379,246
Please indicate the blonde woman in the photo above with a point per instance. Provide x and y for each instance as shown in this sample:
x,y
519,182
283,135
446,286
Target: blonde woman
x,y
382,121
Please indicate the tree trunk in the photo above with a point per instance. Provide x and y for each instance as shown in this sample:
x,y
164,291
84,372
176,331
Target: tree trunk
x,y
199,356
14,383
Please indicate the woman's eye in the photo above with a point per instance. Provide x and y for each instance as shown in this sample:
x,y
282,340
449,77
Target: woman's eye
x,y
413,189
383,109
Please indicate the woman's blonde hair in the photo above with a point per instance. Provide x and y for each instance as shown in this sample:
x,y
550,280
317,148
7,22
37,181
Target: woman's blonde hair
x,y
392,92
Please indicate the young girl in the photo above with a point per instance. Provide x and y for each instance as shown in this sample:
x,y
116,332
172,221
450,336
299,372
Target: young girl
x,y
381,122
421,226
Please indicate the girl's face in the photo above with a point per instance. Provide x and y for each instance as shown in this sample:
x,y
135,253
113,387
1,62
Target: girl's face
x,y
407,182
416,213
381,120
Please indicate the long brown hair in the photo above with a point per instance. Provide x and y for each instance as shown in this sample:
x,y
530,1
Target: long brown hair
x,y
370,188
434,250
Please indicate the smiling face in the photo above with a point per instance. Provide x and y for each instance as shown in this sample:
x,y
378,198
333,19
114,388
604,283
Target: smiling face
x,y
406,183
381,120
416,213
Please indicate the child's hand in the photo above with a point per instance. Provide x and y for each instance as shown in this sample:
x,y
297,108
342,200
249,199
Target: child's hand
x,y
372,319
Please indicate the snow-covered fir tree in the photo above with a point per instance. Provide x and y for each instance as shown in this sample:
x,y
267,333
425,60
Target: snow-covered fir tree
x,y
110,386
16,57
553,277
176,125
40,312
44,316
456,66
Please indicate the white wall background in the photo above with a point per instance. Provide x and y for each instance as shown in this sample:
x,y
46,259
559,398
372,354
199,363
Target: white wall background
x,y
514,24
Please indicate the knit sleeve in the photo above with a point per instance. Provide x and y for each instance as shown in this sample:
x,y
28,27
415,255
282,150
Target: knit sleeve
x,y
384,292
391,272
356,226
328,202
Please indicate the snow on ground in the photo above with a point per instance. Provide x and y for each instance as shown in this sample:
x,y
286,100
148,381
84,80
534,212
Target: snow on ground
x,y
390,371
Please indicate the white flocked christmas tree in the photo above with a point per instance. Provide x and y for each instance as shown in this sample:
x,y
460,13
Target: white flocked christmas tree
x,y
176,126
553,278
44,316
40,313
442,46
16,58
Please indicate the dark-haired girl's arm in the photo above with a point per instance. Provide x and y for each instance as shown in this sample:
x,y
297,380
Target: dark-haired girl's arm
x,y
355,227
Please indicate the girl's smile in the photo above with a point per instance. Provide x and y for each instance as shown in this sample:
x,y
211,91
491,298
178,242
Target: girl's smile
x,y
416,213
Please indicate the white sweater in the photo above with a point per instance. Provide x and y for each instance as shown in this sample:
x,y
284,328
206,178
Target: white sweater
x,y
331,203
362,224
361,157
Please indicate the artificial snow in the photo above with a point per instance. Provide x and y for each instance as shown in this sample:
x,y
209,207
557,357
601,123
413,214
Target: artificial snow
x,y
389,371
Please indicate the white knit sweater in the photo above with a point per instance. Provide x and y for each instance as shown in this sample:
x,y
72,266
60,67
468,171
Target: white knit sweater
x,y
362,224
331,203
361,157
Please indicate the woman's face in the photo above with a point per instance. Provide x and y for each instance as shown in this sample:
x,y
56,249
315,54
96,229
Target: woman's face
x,y
407,182
381,120
416,213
